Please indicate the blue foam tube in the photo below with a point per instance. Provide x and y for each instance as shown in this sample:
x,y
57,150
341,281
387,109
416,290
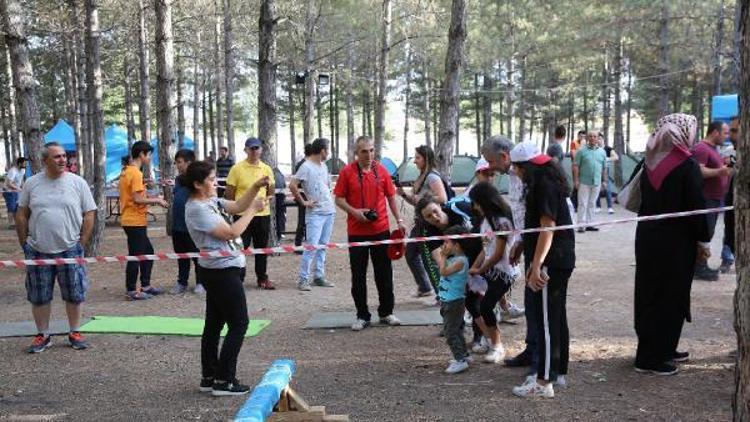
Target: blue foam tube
x,y
266,394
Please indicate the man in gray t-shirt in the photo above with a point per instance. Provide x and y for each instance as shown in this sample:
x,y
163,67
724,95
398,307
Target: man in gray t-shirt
x,y
55,219
320,211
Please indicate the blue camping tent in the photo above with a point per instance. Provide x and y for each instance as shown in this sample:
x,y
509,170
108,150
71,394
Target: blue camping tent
x,y
187,143
63,134
389,165
724,107
116,139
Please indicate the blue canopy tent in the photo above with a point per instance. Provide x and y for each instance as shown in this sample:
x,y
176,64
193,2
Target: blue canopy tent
x,y
389,165
116,139
187,143
724,107
63,134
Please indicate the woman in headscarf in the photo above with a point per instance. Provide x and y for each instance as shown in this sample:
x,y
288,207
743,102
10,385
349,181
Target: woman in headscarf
x,y
665,250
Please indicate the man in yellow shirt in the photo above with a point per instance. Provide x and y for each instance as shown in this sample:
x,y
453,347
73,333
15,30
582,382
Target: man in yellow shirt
x,y
133,209
241,177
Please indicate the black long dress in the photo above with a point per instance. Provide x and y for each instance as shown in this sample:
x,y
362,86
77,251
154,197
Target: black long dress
x,y
665,252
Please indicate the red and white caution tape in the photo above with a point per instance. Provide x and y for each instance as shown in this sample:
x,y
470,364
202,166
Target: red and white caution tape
x,y
291,249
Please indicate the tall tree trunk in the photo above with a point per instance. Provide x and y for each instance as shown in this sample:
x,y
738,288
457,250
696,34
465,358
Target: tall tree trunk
x,y
80,125
736,48
630,100
319,110
180,102
212,119
619,141
426,105
522,102
488,85
229,79
267,80
382,91
129,119
7,148
12,115
741,397
436,112
311,75
331,115
664,86
23,79
165,98
70,79
407,101
586,103
605,96
454,60
717,51
218,75
349,106
197,104
337,127
204,120
477,115
292,120
144,105
510,97
367,112
94,84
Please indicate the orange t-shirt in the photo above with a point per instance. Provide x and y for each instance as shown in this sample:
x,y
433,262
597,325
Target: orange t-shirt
x,y
131,214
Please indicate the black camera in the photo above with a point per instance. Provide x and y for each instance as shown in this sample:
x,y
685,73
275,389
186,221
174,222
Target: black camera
x,y
371,215
732,161
396,180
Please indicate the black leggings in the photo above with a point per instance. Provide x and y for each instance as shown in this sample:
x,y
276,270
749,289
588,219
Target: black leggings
x,y
182,242
138,244
496,289
225,304
257,235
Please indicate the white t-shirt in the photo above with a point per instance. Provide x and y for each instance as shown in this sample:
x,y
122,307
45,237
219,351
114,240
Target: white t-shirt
x,y
14,175
57,207
317,185
201,218
490,245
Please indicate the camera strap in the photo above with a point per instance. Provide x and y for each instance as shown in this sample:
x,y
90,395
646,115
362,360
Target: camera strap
x,y
374,168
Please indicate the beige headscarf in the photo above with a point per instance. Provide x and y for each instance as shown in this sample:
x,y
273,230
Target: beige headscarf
x,y
669,145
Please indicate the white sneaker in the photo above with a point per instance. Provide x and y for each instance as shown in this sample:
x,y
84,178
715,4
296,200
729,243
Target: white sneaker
x,y
597,210
513,312
457,366
494,354
468,319
469,358
360,324
610,210
561,381
199,289
390,320
533,389
304,286
481,347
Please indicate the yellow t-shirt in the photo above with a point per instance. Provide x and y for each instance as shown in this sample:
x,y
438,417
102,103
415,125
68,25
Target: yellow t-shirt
x,y
243,175
131,214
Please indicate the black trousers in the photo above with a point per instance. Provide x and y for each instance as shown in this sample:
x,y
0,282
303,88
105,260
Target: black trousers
x,y
182,242
256,235
553,336
225,304
358,258
299,236
280,214
138,244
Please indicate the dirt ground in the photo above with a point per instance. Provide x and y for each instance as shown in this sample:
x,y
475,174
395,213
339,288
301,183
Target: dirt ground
x,y
380,374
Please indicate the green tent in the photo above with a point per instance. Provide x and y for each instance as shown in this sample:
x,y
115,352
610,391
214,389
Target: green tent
x,y
462,171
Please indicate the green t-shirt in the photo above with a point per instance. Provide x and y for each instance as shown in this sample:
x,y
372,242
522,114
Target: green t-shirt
x,y
590,162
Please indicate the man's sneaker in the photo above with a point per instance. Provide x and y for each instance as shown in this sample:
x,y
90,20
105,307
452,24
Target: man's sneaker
x,y
680,357
561,381
513,312
469,358
581,230
662,369
592,229
390,320
199,289
494,354
153,291
229,388
322,282
207,385
725,266
597,210
40,344
610,210
266,285
706,274
77,341
178,289
533,389
480,347
420,293
360,324
457,366
138,295
304,286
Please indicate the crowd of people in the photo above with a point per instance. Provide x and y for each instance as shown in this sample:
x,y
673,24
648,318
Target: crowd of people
x,y
468,278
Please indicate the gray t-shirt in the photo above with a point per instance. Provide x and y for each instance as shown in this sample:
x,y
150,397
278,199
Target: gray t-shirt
x,y
202,217
431,177
555,150
57,207
317,186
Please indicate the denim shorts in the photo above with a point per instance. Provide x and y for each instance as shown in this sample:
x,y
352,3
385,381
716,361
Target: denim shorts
x,y
40,279
11,201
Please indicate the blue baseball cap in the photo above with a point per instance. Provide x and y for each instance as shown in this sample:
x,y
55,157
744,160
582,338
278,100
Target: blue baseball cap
x,y
253,142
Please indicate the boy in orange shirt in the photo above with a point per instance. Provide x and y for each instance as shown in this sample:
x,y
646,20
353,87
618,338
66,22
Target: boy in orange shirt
x,y
133,209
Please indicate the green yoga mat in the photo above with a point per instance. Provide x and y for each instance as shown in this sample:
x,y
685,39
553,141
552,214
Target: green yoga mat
x,y
158,325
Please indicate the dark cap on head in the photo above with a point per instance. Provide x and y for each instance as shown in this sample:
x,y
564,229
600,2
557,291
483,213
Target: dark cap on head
x,y
253,142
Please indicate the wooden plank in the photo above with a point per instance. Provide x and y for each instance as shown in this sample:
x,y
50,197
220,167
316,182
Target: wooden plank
x,y
336,418
296,401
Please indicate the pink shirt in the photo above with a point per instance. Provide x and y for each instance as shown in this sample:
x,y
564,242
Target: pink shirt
x,y
708,155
